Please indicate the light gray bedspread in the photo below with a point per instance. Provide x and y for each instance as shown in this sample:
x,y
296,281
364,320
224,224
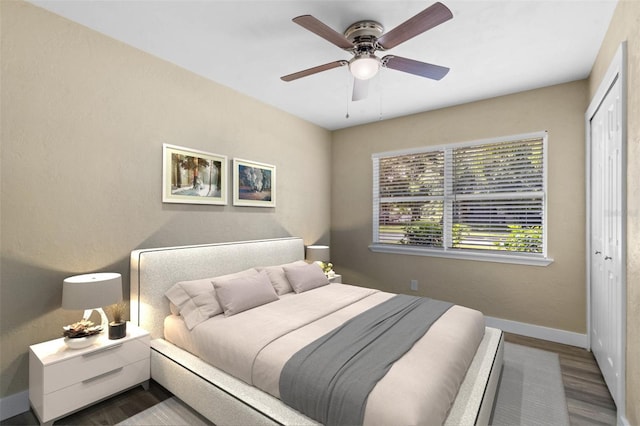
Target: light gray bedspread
x,y
330,379
254,346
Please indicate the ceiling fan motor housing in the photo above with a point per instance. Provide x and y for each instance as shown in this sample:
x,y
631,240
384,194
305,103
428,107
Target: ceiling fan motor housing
x,y
364,36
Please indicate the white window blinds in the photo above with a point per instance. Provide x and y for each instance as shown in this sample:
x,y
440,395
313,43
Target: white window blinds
x,y
484,196
412,192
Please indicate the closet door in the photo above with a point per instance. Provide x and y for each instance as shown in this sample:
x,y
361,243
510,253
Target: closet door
x,y
606,268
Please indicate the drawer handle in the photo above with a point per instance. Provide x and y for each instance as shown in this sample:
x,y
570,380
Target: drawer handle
x,y
99,351
108,373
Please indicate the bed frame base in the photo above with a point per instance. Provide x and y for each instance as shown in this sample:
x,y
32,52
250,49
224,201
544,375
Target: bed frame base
x,y
226,400
474,402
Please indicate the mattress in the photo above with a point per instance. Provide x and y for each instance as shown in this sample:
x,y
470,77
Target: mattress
x,y
254,346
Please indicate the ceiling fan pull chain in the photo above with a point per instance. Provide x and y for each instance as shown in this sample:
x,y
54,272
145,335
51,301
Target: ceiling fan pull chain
x,y
347,94
380,86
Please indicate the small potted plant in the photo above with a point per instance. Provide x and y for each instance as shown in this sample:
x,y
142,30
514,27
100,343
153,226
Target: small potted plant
x,y
118,325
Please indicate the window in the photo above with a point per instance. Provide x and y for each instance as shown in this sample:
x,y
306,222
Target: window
x,y
483,200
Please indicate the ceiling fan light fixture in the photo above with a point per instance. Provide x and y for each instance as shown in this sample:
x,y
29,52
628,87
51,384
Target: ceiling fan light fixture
x,y
364,67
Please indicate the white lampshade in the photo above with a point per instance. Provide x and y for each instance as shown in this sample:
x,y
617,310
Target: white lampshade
x,y
318,253
91,291
364,67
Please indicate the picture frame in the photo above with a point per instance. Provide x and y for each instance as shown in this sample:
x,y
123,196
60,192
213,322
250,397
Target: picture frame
x,y
191,176
254,184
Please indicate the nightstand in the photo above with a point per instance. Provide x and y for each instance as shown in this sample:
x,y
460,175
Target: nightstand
x,y
63,380
336,279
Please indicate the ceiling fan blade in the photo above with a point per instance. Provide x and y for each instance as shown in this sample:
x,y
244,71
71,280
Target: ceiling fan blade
x,y
317,27
432,16
314,70
423,69
360,89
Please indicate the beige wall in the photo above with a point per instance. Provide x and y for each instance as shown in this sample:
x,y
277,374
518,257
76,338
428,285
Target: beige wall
x,y
625,25
83,122
552,296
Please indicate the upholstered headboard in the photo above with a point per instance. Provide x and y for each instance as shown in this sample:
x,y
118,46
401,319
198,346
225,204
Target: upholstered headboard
x,y
154,271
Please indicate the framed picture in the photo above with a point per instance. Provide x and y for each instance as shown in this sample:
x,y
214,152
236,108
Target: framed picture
x,y
254,184
193,177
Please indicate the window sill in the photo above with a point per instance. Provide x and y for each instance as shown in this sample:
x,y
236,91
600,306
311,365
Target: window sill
x,y
463,255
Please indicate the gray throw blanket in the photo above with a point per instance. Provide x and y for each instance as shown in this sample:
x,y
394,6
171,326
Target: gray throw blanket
x,y
330,379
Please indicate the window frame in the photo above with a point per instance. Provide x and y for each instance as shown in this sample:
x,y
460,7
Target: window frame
x,y
535,259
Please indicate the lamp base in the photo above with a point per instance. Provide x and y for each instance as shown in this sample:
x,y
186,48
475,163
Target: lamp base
x,y
104,321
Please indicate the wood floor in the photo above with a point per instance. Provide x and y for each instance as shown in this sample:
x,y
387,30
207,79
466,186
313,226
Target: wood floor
x,y
588,400
108,412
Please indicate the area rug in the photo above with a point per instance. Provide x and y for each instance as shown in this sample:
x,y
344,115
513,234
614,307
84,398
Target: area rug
x,y
170,412
530,391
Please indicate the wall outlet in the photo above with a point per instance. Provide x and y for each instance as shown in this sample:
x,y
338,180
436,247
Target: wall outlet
x,y
414,285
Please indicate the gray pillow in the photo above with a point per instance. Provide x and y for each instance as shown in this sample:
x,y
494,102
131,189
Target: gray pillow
x,y
243,293
196,300
278,278
305,277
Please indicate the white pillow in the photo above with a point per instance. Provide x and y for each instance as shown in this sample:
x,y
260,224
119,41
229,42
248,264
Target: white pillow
x,y
305,277
278,278
173,308
195,300
243,293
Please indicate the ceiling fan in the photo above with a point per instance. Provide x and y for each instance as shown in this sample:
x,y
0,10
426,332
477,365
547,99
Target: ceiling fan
x,y
364,38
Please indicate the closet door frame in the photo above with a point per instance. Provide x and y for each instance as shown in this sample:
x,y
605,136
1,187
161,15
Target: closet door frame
x,y
616,72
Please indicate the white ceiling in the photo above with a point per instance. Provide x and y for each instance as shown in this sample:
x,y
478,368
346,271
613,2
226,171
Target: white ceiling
x,y
492,47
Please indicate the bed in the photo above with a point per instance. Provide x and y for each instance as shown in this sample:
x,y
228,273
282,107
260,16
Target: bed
x,y
242,395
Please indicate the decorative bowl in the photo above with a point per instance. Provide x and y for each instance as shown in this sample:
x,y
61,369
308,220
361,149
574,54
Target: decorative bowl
x,y
80,342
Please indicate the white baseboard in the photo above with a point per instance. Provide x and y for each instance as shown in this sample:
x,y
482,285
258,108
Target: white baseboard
x,y
13,405
622,421
539,332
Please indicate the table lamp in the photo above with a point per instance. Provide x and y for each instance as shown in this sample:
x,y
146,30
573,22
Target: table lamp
x,y
317,253
321,255
92,292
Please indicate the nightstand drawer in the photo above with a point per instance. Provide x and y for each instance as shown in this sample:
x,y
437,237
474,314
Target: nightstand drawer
x,y
90,364
99,386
